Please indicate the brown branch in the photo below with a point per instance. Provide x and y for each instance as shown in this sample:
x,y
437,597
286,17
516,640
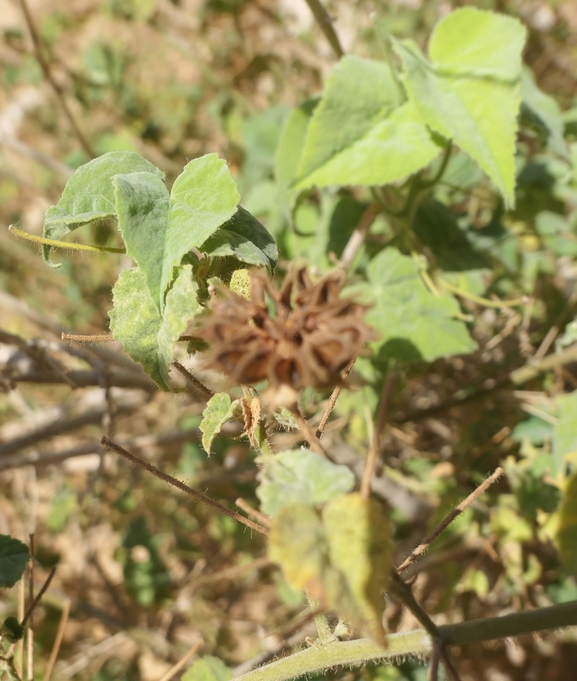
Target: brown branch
x,y
252,512
196,384
424,545
173,671
58,639
119,378
380,422
233,573
332,401
197,496
45,66
80,338
36,458
41,593
325,22
358,236
307,431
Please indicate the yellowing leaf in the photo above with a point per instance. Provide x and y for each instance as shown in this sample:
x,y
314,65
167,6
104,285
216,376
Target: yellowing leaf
x,y
359,539
297,544
341,557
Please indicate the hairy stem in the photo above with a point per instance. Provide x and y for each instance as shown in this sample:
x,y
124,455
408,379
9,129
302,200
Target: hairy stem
x,y
416,643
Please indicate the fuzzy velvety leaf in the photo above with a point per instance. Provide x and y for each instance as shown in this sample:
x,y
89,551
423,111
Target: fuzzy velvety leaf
x,y
413,323
292,141
244,238
360,549
470,91
361,133
147,336
14,556
142,206
567,532
89,193
341,556
204,196
298,544
299,476
218,411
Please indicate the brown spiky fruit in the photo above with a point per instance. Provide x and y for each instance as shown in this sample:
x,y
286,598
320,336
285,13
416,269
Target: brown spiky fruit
x,y
302,335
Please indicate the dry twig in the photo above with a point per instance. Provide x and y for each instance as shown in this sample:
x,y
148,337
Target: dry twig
x,y
197,496
424,545
382,413
45,66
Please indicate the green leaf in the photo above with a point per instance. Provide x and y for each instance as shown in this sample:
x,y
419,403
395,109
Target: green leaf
x,y
14,556
567,532
244,238
361,133
158,231
203,197
147,336
292,141
470,91
142,206
12,630
208,668
299,476
565,430
219,409
89,194
413,323
360,548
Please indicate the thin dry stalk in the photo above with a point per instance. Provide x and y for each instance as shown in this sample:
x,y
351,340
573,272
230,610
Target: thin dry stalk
x,y
45,66
331,403
20,644
358,236
325,23
435,660
424,545
382,414
36,600
196,384
180,664
58,640
232,573
30,613
197,496
252,512
554,330
307,431
80,338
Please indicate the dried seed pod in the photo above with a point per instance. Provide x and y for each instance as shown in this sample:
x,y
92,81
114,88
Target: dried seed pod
x,y
301,335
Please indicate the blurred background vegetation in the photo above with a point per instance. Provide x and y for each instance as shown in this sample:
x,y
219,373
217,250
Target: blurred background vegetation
x,y
147,573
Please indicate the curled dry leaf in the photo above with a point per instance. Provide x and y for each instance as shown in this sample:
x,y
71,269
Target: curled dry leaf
x,y
302,335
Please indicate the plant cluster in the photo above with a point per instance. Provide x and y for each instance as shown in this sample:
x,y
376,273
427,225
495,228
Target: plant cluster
x,y
414,198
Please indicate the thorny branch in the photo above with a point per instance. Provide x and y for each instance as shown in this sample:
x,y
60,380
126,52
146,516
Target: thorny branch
x,y
169,479
424,545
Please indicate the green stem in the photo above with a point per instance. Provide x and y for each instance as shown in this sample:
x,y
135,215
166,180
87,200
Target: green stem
x,y
321,622
62,244
479,300
427,184
337,653
415,643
